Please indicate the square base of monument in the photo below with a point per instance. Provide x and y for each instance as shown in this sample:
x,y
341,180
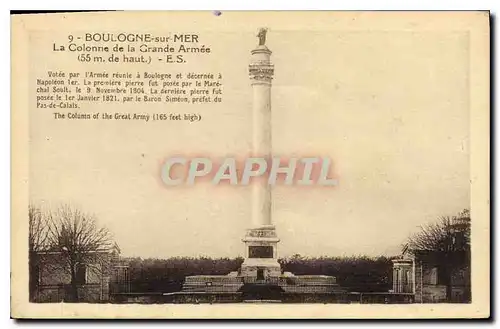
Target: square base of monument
x,y
261,253
260,269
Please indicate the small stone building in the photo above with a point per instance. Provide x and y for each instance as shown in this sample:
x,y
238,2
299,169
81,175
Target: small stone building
x,y
51,277
430,277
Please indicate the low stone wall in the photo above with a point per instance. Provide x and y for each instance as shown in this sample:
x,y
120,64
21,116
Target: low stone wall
x,y
204,298
237,297
383,298
434,294
90,293
311,288
212,284
311,284
177,298
221,279
340,298
292,284
314,279
437,294
138,298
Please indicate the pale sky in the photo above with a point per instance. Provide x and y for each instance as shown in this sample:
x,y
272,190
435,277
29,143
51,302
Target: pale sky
x,y
390,108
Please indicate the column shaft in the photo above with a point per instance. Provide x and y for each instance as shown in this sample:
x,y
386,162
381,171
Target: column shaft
x,y
261,193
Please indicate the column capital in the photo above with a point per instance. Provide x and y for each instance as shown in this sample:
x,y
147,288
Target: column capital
x,y
261,72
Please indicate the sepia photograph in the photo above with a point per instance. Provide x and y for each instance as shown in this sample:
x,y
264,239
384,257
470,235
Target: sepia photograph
x,y
199,164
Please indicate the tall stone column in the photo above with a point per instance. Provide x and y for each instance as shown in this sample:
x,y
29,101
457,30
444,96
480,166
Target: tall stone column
x,y
261,240
261,74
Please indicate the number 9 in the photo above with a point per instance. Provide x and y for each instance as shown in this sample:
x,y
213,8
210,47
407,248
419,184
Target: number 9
x,y
70,38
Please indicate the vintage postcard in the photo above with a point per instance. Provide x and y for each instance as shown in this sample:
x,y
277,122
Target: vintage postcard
x,y
250,165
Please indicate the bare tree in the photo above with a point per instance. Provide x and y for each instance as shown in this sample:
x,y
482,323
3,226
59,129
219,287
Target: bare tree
x,y
447,235
37,239
449,240
37,228
81,242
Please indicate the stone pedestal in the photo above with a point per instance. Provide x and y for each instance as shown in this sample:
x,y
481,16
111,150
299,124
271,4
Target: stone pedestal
x,y
261,253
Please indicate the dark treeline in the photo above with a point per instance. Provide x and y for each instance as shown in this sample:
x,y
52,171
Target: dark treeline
x,y
166,275
357,273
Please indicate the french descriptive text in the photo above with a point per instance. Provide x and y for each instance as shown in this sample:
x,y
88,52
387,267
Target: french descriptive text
x,y
62,91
